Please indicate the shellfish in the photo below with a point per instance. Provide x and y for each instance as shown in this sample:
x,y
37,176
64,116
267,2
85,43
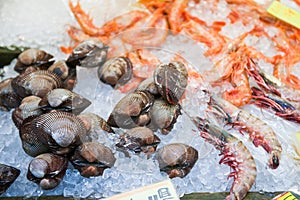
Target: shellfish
x,y
92,158
132,110
64,100
8,98
8,175
89,53
171,80
29,108
116,70
176,159
163,115
37,83
47,170
33,57
57,132
139,139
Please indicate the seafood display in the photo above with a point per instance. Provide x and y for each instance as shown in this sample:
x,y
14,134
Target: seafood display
x,y
157,90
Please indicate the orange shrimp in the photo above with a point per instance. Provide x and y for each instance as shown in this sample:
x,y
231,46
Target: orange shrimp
x,y
233,70
149,31
116,25
199,31
283,73
175,16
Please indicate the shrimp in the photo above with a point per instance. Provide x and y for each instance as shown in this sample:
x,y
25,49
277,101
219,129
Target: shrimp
x,y
116,25
149,31
271,84
233,67
259,132
283,73
199,31
235,155
281,107
175,16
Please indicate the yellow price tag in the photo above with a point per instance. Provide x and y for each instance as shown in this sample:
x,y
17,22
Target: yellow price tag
x,y
157,191
298,137
284,13
285,196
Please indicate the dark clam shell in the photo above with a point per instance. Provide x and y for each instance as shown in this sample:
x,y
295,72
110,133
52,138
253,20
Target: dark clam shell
x,y
29,108
57,132
92,158
163,115
47,170
171,81
89,53
33,57
32,143
139,139
117,70
64,100
37,83
176,159
8,98
127,112
8,175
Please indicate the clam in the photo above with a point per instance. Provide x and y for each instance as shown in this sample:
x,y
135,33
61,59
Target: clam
x,y
176,159
37,83
139,139
131,110
57,132
92,158
32,143
64,100
8,175
29,108
33,57
148,85
171,81
47,170
163,115
89,53
60,68
117,70
66,73
95,123
8,98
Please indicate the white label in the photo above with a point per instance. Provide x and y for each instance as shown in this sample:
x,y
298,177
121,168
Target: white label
x,y
159,191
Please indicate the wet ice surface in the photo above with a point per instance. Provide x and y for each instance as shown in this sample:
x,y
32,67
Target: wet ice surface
x,y
47,31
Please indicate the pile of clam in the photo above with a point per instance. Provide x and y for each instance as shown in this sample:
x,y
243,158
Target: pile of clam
x,y
54,130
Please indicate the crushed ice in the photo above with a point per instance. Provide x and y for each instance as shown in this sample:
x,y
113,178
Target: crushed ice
x,y
127,174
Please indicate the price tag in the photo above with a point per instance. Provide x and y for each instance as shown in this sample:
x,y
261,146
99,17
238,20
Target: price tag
x,y
159,191
285,196
284,13
298,137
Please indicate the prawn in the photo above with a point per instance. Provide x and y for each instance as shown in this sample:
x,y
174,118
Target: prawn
x,y
259,132
233,67
235,155
281,107
271,84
